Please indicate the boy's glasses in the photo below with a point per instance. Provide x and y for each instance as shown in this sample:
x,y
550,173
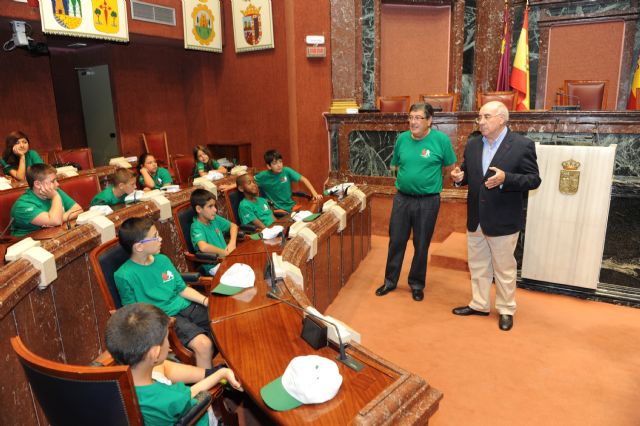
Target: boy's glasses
x,y
148,240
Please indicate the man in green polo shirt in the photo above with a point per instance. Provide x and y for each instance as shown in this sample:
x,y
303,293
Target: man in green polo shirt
x,y
419,156
43,204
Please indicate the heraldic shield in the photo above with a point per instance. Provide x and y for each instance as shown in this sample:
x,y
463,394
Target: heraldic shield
x,y
569,177
252,24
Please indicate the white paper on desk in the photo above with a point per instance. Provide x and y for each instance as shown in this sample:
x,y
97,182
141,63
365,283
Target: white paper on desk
x,y
213,175
171,188
346,332
300,215
273,232
224,161
4,183
134,196
105,210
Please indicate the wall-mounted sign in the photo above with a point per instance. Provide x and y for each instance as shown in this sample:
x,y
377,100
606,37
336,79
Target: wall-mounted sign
x,y
202,25
252,25
103,19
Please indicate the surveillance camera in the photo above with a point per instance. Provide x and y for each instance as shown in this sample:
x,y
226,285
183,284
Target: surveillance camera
x,y
19,33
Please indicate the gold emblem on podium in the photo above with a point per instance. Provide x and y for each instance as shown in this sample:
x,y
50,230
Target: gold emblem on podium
x,y
569,177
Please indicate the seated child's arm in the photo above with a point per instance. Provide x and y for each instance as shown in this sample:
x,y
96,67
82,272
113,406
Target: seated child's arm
x,y
258,223
183,373
195,296
147,179
233,230
74,210
310,187
209,382
205,247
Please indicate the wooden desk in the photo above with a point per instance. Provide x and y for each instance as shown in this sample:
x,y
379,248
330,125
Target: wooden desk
x,y
259,336
232,149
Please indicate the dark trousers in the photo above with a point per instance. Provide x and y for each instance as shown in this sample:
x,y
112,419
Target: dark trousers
x,y
410,213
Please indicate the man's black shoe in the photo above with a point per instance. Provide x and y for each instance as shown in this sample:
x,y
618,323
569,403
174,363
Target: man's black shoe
x,y
383,289
417,294
465,310
506,322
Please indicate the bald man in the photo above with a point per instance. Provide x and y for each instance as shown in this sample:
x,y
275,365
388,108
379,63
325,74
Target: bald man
x,y
500,168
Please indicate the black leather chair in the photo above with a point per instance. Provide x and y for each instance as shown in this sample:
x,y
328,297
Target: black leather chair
x,y
105,261
83,395
183,217
232,198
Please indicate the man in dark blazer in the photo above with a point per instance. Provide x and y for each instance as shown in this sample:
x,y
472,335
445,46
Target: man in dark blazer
x,y
500,168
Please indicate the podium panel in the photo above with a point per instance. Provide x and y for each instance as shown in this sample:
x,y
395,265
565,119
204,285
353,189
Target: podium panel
x,y
567,215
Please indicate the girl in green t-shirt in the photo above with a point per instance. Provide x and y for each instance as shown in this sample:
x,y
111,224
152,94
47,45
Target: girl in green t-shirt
x,y
152,176
17,156
204,162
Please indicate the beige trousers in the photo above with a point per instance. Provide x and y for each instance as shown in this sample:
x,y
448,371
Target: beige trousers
x,y
492,258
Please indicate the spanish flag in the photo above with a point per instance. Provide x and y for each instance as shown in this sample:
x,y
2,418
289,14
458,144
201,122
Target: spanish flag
x,y
520,71
635,84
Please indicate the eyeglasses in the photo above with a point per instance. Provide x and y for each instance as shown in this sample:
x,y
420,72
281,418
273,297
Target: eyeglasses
x,y
148,240
485,116
416,118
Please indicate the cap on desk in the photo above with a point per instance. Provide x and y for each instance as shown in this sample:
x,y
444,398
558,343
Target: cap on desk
x,y
236,279
310,379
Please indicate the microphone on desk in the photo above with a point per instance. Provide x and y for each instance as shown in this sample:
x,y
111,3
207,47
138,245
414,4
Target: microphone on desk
x,y
342,357
269,269
4,231
70,217
567,107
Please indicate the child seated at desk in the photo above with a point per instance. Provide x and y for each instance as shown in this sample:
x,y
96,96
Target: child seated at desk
x,y
276,182
204,162
150,277
123,184
43,205
152,176
208,228
17,156
137,335
253,209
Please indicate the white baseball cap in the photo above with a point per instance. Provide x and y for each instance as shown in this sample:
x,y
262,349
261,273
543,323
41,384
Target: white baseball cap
x,y
274,231
238,277
310,379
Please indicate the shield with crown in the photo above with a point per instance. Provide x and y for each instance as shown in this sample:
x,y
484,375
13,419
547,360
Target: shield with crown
x,y
252,24
569,177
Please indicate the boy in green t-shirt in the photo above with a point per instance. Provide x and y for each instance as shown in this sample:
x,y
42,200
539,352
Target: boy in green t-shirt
x,y
208,228
150,277
43,205
276,181
152,176
137,335
124,183
253,209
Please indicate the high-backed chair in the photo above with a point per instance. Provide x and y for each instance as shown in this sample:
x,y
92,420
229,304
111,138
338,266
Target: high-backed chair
x,y
7,198
591,94
394,103
232,198
183,216
105,261
183,167
448,102
81,188
80,156
155,143
508,98
82,395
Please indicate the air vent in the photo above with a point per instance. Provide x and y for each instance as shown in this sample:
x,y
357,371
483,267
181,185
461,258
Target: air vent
x,y
148,12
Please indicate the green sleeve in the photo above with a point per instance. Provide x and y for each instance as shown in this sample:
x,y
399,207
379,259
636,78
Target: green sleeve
x,y
223,223
6,168
199,167
164,175
124,286
197,235
449,155
23,212
293,175
395,158
246,213
34,157
67,202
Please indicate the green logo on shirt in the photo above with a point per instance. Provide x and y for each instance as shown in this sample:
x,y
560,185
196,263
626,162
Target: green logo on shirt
x,y
425,153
